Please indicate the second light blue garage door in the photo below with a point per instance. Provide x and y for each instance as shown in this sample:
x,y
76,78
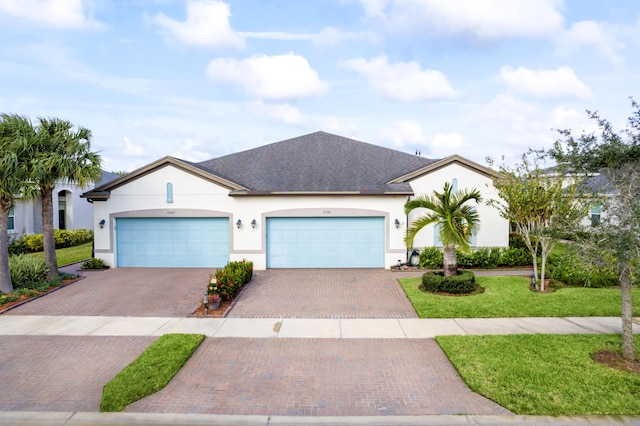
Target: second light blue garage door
x,y
321,242
172,242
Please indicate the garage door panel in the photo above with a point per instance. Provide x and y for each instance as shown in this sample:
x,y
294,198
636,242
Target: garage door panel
x,y
342,242
172,242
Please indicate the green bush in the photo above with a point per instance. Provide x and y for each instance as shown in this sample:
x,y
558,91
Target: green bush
x,y
18,246
436,282
230,279
93,263
27,270
516,241
63,238
571,270
431,258
515,256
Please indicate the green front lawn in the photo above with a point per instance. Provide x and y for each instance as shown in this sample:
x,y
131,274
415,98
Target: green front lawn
x,y
545,374
511,297
69,255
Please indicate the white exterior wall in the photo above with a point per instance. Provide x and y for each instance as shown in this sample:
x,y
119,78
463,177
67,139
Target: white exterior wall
x,y
196,197
28,213
494,230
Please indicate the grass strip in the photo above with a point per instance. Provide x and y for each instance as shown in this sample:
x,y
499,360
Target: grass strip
x,y
509,296
545,374
151,371
69,255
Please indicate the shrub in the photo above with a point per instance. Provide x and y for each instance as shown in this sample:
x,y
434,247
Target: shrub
x,y
516,241
63,238
230,279
26,270
18,246
572,271
93,263
436,282
515,256
431,258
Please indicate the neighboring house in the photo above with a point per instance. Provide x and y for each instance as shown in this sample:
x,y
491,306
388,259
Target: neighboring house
x,y
72,212
315,201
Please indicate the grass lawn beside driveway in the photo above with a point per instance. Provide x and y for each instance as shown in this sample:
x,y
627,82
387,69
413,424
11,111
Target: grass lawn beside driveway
x,y
69,255
545,374
509,296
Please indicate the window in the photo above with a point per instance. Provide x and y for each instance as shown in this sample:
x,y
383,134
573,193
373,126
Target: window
x,y
454,186
11,224
169,192
595,214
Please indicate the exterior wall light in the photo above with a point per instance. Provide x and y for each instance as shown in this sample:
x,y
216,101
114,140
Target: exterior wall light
x,y
238,224
253,224
397,222
102,222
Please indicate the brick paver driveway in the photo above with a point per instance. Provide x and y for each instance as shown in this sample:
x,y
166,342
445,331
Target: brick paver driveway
x,y
62,373
136,292
318,377
324,293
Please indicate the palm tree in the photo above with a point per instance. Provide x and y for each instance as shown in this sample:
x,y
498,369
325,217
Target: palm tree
x,y
60,153
16,133
456,221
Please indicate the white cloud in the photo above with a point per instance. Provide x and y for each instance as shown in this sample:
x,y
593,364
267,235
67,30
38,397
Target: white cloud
x,y
283,112
547,84
207,24
269,77
403,80
402,133
131,149
188,150
449,141
480,19
53,13
591,35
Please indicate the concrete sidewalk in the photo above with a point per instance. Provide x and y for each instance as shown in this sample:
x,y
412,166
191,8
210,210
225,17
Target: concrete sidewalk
x,y
401,328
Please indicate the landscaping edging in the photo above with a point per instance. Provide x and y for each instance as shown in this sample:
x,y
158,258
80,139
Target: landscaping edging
x,y
8,308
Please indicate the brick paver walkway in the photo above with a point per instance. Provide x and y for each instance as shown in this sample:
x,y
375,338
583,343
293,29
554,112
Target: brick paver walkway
x,y
324,293
318,377
61,373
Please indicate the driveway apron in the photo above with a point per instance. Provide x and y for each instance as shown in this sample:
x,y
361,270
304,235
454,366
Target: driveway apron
x,y
318,377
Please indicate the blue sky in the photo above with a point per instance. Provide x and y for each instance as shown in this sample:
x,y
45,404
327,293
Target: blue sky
x,y
197,79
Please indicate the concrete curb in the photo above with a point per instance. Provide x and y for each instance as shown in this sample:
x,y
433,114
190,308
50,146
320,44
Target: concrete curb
x,y
89,418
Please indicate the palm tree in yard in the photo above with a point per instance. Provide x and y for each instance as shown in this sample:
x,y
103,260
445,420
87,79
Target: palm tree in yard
x,y
60,153
16,134
455,220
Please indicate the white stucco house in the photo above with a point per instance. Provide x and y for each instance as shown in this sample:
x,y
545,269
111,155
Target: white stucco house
x,y
72,212
318,200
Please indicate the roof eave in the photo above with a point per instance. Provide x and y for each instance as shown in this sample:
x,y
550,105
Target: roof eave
x,y
443,163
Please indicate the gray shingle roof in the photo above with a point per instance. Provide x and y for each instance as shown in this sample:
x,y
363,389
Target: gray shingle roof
x,y
318,162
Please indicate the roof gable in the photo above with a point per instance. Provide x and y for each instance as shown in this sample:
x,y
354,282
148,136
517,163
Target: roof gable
x,y
439,164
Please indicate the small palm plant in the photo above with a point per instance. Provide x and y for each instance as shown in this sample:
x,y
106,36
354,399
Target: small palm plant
x,y
456,221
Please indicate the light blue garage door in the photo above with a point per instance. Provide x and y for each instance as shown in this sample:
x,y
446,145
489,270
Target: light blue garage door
x,y
335,242
172,242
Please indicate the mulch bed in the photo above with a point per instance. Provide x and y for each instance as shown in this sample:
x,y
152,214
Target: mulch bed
x,y
221,312
615,360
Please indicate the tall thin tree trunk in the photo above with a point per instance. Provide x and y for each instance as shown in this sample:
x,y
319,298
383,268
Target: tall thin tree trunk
x,y
628,347
47,231
450,261
6,286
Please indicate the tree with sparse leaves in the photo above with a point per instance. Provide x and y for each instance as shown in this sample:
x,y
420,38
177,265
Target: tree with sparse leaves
x,y
541,204
614,156
457,221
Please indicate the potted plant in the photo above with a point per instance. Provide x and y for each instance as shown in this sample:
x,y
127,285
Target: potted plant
x,y
213,293
213,301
